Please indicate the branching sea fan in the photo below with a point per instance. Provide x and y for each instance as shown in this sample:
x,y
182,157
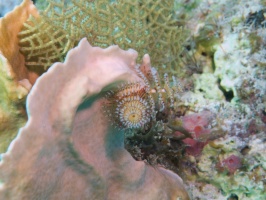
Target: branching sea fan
x,y
146,26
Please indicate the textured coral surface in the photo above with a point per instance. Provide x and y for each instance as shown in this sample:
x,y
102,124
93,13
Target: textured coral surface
x,y
214,137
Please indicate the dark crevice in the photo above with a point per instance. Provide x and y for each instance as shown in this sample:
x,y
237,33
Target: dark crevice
x,y
256,19
244,151
229,95
213,63
232,197
204,54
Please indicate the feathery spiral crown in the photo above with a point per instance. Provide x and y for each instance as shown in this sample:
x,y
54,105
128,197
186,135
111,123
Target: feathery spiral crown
x,y
133,105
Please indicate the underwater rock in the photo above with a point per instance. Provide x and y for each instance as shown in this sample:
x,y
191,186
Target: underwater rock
x,y
68,150
231,86
206,84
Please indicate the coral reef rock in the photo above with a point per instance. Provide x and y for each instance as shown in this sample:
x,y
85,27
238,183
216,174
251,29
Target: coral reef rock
x,y
68,150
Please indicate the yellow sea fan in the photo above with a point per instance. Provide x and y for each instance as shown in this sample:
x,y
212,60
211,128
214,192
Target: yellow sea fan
x,y
146,26
42,48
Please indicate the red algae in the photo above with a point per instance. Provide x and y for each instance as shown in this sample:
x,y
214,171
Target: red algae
x,y
197,125
231,164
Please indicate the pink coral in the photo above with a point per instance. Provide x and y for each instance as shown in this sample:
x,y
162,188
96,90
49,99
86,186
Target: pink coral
x,y
194,147
231,164
196,124
68,150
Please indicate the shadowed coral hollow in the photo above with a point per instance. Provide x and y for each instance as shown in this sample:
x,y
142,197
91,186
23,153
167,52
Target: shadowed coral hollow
x,y
68,150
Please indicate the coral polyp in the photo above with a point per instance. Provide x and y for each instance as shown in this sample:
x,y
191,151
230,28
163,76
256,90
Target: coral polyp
x,y
132,105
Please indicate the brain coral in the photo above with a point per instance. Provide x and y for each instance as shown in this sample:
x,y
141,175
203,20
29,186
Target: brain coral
x,y
68,150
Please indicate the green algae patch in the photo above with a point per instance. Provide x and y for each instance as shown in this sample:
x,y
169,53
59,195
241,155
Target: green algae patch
x,y
12,105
